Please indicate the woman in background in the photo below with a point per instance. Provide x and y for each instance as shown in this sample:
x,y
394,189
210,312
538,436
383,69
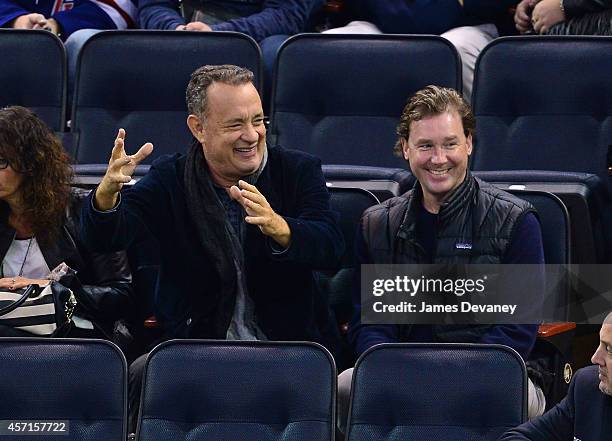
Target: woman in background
x,y
39,220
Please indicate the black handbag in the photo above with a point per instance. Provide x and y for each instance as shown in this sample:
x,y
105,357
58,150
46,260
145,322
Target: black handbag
x,y
595,23
42,311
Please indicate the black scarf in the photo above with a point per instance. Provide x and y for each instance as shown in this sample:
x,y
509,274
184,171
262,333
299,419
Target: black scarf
x,y
220,244
216,235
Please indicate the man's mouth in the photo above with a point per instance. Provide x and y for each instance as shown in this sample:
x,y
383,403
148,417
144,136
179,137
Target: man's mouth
x,y
438,172
245,149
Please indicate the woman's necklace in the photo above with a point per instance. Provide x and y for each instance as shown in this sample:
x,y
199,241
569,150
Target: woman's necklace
x,y
26,256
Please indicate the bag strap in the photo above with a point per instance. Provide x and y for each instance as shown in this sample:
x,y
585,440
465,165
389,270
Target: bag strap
x,y
17,303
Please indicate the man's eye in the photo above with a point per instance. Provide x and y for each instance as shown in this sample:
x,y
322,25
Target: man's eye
x,y
258,121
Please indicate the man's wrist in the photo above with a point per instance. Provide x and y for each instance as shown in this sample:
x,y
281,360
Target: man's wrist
x,y
104,201
282,234
16,22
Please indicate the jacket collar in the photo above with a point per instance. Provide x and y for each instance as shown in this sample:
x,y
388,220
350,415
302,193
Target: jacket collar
x,y
53,254
462,195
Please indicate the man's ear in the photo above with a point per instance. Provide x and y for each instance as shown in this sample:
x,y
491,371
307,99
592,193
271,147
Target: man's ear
x,y
468,144
196,127
405,148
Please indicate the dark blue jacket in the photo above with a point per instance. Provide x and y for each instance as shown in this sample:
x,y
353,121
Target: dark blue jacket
x,y
585,414
259,18
73,15
430,16
287,304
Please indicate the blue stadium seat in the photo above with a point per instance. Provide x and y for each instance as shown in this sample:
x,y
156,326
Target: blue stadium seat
x,y
340,97
349,203
543,103
442,392
81,382
584,196
34,74
555,223
137,80
556,240
224,390
383,182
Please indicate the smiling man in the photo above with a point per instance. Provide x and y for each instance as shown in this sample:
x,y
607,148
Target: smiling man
x,y
240,226
585,414
448,217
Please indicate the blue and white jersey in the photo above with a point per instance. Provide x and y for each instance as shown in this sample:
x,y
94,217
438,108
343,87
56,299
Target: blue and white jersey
x,y
73,15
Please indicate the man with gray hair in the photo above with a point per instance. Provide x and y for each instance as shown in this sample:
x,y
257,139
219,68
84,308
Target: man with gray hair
x,y
586,412
240,226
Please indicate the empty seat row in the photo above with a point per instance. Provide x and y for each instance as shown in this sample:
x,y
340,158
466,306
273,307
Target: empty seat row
x,y
219,390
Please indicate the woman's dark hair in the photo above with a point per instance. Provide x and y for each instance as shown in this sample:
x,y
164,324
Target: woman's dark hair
x,y
32,149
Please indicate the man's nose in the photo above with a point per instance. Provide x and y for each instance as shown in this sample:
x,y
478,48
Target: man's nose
x,y
250,133
597,357
438,155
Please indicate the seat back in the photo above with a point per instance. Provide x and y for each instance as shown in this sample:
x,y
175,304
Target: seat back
x,y
141,85
350,203
80,382
556,240
383,182
34,74
585,197
340,97
443,392
555,223
231,390
544,103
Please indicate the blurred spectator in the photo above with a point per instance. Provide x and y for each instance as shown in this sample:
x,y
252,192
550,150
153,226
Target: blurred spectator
x,y
39,220
72,21
257,18
584,414
564,17
469,24
65,17
269,22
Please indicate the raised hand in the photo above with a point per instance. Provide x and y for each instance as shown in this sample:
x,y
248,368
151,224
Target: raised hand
x,y
121,166
260,213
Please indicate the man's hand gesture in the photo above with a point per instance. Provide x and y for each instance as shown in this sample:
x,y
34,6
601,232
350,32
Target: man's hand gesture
x,y
260,213
120,169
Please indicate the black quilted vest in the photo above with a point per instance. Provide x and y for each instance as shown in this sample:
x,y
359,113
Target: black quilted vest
x,y
475,225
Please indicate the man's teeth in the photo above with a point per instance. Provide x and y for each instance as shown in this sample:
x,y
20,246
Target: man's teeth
x,y
246,149
439,172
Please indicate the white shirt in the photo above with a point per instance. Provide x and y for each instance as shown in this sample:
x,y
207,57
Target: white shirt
x,y
21,261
